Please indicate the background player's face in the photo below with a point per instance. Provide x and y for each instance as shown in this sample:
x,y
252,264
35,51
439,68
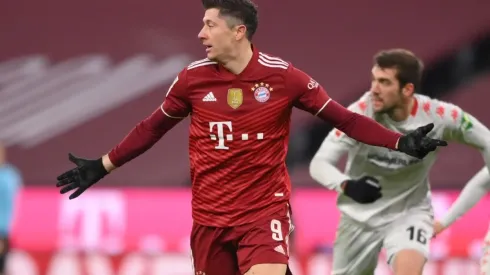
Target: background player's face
x,y
386,93
217,35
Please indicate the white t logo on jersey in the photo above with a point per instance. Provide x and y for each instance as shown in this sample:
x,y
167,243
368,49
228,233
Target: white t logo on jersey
x,y
221,133
224,132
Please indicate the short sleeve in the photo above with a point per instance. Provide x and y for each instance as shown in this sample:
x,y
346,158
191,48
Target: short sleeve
x,y
176,103
309,94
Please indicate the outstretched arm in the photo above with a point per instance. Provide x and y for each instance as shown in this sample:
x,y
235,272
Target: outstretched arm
x,y
312,98
466,129
358,127
472,193
143,136
89,171
149,131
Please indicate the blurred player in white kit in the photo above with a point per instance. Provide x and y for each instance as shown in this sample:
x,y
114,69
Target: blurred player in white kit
x,y
384,196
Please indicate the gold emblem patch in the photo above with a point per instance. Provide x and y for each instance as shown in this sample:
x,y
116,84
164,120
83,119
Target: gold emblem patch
x,y
235,97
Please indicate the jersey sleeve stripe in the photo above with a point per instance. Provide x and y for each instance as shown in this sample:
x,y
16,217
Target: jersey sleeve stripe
x,y
274,62
201,64
272,65
323,107
165,113
200,61
266,57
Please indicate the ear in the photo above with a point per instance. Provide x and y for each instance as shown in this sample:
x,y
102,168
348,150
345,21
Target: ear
x,y
240,32
408,89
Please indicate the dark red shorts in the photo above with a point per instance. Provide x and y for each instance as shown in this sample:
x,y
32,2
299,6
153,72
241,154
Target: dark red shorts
x,y
234,250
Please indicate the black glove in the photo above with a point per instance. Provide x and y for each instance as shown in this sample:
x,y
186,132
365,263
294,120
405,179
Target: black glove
x,y
363,190
86,174
416,144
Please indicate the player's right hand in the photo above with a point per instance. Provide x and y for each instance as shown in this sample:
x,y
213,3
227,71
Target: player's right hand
x,y
363,190
417,144
86,174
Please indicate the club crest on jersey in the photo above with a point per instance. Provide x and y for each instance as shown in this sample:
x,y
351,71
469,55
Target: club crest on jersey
x,y
235,97
262,92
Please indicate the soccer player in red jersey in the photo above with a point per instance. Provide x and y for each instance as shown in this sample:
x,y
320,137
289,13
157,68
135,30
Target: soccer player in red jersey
x,y
239,101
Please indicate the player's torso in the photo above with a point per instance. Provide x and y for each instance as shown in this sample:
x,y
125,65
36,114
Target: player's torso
x,y
404,179
231,115
238,139
397,170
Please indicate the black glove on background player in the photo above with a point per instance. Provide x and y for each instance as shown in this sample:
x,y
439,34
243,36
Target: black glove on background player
x,y
417,144
363,190
86,174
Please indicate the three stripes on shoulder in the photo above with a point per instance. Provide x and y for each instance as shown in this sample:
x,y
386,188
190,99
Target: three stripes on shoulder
x,y
264,59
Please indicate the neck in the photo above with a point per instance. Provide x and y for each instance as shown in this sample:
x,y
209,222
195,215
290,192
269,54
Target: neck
x,y
403,112
239,61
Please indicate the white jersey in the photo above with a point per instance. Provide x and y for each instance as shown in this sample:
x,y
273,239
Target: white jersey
x,y
404,179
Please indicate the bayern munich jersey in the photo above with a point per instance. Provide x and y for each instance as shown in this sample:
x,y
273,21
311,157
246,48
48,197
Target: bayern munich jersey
x,y
404,179
238,136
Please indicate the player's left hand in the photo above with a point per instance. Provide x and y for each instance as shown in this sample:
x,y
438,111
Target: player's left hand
x,y
86,174
417,144
438,228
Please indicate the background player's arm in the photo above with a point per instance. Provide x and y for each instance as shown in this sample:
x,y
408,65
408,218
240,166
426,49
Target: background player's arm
x,y
313,98
466,129
146,133
323,166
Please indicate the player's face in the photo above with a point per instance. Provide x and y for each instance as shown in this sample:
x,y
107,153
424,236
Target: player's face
x,y
217,36
386,94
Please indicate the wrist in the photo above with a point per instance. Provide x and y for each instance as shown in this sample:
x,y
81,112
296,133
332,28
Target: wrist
x,y
107,163
342,185
444,223
397,143
100,169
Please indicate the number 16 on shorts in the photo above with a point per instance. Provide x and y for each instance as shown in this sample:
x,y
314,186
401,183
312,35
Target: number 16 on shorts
x,y
417,234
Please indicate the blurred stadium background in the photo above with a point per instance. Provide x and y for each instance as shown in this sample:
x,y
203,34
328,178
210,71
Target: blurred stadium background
x,y
75,76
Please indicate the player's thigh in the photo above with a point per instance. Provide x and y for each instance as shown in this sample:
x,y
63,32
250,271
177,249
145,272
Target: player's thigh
x,y
407,242
485,259
356,249
264,246
210,255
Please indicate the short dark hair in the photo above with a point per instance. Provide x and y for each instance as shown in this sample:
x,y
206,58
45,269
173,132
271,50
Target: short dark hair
x,y
243,10
408,66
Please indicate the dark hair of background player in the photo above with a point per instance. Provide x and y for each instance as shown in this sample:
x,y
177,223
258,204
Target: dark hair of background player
x,y
409,68
238,12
